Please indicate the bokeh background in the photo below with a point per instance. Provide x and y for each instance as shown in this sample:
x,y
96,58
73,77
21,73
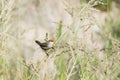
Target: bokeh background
x,y
86,34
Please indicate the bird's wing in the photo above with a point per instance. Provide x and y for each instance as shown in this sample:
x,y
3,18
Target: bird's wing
x,y
43,44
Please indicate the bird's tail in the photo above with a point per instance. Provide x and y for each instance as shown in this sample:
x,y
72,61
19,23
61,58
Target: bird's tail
x,y
38,42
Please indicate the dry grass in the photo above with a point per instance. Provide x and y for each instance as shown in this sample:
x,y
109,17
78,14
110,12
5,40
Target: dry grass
x,y
84,48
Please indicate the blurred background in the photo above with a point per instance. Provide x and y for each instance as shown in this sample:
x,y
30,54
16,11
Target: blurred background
x,y
86,34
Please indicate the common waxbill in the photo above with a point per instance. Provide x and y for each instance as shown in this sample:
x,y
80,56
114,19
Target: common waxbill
x,y
45,45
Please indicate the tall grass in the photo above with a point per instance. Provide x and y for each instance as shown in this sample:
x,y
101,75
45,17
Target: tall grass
x,y
71,58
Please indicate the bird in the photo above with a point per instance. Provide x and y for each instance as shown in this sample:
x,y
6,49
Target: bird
x,y
45,45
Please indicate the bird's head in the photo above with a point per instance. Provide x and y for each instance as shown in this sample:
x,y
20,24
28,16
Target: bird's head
x,y
51,42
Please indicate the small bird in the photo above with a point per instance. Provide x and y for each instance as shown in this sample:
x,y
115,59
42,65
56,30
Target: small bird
x,y
46,45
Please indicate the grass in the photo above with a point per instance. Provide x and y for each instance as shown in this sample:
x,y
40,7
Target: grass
x,y
72,57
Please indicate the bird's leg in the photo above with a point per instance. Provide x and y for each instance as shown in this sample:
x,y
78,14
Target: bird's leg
x,y
46,52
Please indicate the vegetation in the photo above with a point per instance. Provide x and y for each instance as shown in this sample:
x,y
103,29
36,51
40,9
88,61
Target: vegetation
x,y
76,54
